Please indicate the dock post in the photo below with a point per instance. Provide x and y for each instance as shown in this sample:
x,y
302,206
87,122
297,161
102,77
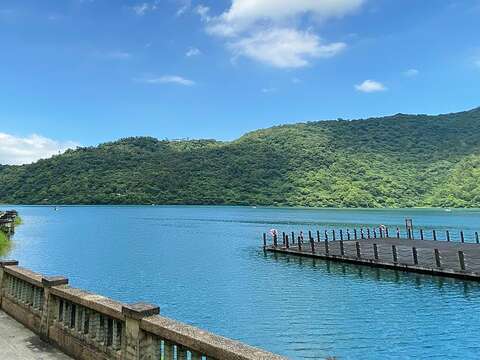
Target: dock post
x,y
437,258
283,238
264,241
375,251
293,237
326,235
368,233
275,243
355,233
309,235
398,233
312,244
299,244
448,235
461,259
327,250
421,234
409,234
318,236
386,232
333,235
462,239
357,245
287,245
342,249
434,233
348,234
394,254
415,255
476,238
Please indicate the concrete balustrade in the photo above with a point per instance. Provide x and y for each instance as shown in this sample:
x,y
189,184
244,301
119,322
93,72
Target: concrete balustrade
x,y
88,326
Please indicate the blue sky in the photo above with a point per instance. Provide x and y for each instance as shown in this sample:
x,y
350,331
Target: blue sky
x,y
89,71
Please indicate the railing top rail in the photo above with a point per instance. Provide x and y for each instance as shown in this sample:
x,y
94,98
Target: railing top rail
x,y
90,300
25,274
202,341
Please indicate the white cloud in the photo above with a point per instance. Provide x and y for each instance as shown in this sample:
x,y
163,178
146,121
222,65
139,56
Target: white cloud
x,y
145,7
166,79
284,48
244,13
17,150
265,30
411,72
192,52
370,86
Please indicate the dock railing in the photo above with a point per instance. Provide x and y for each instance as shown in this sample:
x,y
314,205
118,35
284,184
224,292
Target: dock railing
x,y
88,326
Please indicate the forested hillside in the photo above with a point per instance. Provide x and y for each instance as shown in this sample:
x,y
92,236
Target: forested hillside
x,y
397,161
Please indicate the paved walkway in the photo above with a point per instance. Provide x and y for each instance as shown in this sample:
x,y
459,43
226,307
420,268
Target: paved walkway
x,y
19,343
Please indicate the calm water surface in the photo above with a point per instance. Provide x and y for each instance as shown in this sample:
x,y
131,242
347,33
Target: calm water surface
x,y
203,266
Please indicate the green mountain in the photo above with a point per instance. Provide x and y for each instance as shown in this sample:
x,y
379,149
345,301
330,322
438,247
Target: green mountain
x,y
396,161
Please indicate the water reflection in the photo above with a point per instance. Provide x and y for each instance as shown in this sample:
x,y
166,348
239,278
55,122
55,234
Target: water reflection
x,y
367,273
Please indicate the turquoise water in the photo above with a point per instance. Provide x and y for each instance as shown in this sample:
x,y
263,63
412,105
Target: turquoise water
x,y
204,266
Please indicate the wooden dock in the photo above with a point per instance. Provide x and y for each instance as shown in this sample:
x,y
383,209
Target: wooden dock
x,y
443,258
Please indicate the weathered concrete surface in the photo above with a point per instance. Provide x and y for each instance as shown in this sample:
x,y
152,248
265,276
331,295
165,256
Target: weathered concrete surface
x,y
19,343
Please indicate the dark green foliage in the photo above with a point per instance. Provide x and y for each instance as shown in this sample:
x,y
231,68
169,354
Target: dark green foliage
x,y
397,161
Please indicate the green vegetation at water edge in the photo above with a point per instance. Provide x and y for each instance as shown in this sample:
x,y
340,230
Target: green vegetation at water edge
x,y
396,161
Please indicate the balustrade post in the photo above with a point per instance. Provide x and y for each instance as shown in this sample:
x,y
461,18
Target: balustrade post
x,y
4,263
312,244
49,305
421,234
434,233
477,240
341,234
462,238
137,345
375,251
287,244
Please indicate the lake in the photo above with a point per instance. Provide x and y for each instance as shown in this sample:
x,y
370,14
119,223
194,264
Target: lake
x,y
205,266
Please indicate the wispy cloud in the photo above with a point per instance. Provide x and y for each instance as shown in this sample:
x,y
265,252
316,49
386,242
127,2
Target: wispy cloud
x,y
114,55
24,150
166,79
265,30
145,7
269,90
370,86
185,5
192,52
411,73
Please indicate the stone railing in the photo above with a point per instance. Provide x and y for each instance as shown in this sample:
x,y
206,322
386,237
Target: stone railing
x,y
92,327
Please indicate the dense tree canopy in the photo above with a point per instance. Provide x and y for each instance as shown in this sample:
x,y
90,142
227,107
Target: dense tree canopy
x,y
397,161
